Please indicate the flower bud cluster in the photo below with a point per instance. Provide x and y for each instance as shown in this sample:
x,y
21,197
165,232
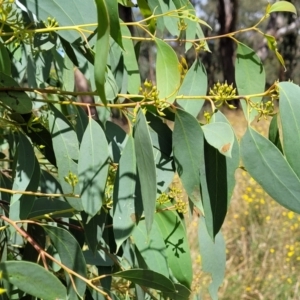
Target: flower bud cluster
x,y
222,92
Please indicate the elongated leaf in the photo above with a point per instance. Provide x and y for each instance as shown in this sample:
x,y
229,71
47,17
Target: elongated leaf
x,y
130,62
51,207
93,167
187,147
161,136
102,48
177,247
170,22
152,247
18,101
115,30
194,84
289,106
71,256
213,257
66,13
42,284
167,71
66,148
124,217
82,122
274,133
232,163
24,166
219,135
182,292
282,6
147,278
5,63
250,77
146,167
146,12
268,167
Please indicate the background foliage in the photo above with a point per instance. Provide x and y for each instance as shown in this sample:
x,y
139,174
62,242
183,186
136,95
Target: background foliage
x,y
88,208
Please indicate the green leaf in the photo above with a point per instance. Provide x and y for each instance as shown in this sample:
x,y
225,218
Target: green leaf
x,y
274,133
177,246
82,122
233,162
71,256
18,101
268,167
113,13
282,6
289,107
249,76
161,136
42,284
152,247
66,13
66,149
187,146
51,207
146,167
5,63
213,257
130,62
219,135
93,167
124,218
146,12
194,84
68,74
165,7
167,71
102,48
182,292
147,278
24,166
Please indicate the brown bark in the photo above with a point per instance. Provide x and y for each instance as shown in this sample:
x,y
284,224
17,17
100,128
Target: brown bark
x,y
227,16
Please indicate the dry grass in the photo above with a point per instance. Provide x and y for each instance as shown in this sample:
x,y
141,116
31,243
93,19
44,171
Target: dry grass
x,y
262,241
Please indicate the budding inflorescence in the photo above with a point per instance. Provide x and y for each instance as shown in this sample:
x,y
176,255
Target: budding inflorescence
x,y
151,93
222,92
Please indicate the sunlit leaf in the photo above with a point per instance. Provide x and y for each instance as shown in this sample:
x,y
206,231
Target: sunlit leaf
x,y
289,107
249,76
124,217
152,247
102,48
213,257
115,30
219,135
42,284
146,167
93,167
177,246
66,13
167,71
269,168
130,62
282,6
187,145
194,84
71,256
66,149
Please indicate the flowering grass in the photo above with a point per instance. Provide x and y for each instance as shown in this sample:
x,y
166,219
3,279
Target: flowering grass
x,y
262,241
